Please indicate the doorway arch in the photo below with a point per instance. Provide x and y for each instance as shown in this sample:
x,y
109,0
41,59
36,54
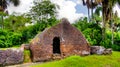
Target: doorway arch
x,y
56,45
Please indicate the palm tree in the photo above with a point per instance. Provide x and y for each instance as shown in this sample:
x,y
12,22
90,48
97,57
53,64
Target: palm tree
x,y
4,3
90,5
86,3
108,14
107,7
3,6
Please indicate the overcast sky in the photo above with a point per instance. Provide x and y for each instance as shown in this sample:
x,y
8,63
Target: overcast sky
x,y
71,9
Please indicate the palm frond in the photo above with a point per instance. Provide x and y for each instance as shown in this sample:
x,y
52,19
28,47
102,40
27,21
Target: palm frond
x,y
83,2
15,2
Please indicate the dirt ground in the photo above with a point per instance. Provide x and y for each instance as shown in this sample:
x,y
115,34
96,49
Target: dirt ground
x,y
24,65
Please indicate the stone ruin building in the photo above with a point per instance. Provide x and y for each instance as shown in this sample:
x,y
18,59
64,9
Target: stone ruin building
x,y
62,39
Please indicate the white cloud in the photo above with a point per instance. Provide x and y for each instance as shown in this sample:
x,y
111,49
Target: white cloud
x,y
67,10
79,2
22,8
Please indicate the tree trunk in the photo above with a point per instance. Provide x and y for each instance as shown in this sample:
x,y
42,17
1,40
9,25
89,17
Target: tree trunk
x,y
91,14
92,10
88,14
2,21
112,33
104,21
112,25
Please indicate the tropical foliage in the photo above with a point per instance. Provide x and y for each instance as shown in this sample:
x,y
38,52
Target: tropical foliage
x,y
3,7
99,30
43,10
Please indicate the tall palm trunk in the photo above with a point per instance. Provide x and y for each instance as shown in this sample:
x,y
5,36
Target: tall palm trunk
x,y
92,10
88,14
112,33
2,10
104,20
112,26
91,14
112,30
2,21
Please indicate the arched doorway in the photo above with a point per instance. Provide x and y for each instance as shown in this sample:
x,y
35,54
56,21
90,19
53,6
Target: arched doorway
x,y
56,45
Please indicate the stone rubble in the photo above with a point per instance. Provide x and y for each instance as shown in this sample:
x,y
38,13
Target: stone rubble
x,y
11,56
100,50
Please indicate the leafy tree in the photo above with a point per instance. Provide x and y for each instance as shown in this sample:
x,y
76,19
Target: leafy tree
x,y
9,39
114,25
3,6
15,23
43,10
1,19
92,31
30,31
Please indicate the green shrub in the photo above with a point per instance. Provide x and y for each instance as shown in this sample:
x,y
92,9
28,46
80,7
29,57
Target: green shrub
x,y
106,43
15,38
117,38
1,43
29,32
92,31
116,47
9,39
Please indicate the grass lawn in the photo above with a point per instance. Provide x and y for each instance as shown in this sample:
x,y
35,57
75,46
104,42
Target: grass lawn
x,y
18,46
87,61
27,56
